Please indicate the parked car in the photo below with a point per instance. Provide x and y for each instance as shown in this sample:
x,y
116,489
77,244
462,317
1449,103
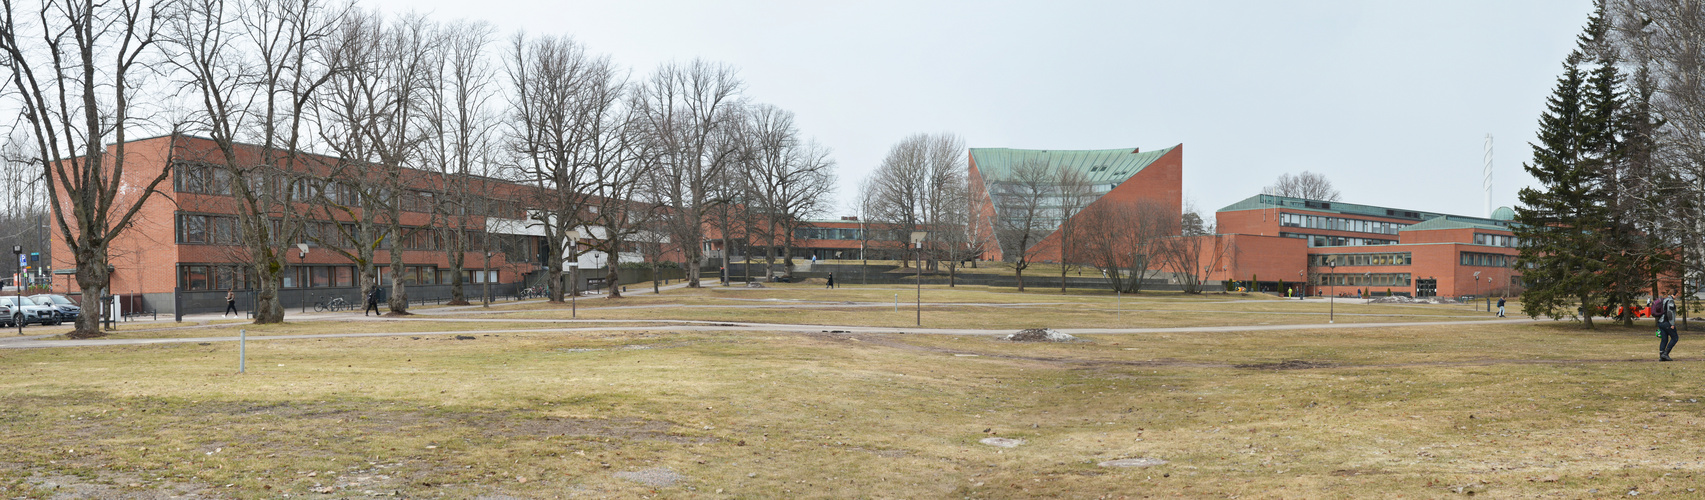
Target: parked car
x,y
64,309
26,311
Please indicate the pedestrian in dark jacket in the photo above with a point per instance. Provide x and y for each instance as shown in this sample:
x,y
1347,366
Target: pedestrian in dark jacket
x,y
1664,311
831,280
1500,307
372,301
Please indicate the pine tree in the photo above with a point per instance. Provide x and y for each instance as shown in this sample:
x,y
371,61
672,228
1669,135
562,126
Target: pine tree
x,y
1574,255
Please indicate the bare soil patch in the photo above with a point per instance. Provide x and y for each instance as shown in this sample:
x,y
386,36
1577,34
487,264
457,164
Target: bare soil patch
x,y
1292,364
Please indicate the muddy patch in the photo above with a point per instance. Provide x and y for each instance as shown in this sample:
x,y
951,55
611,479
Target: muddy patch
x,y
1294,364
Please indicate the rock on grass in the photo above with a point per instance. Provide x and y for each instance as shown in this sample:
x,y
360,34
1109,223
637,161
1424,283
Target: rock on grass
x,y
1040,335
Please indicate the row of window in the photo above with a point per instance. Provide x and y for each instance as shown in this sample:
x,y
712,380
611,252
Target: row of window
x,y
1315,240
1361,259
1497,240
1339,223
232,276
1487,259
225,230
826,233
214,180
1362,279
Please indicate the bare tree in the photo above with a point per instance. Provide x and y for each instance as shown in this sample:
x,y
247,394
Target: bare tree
x,y
789,180
688,113
1192,256
1307,185
562,101
370,119
914,190
252,68
1073,191
1126,241
75,69
459,122
1023,211
617,163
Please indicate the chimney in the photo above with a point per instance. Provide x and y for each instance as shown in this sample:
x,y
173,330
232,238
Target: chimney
x,y
1136,150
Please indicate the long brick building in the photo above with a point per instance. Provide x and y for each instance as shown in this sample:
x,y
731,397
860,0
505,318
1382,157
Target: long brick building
x,y
185,242
1278,243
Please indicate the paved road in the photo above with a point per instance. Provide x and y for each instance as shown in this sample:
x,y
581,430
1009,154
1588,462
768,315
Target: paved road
x,y
38,341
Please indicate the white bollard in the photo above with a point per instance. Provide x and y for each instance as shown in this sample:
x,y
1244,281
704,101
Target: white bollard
x,y
242,350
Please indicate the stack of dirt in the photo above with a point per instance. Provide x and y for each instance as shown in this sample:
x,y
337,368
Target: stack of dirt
x,y
814,281
1040,335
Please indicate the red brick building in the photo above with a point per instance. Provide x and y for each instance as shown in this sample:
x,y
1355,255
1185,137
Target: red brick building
x,y
184,240
1340,248
1116,176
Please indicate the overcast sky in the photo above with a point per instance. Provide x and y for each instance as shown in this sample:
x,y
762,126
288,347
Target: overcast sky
x,y
1390,100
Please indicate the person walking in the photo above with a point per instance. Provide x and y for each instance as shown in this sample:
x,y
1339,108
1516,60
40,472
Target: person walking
x,y
1500,307
1664,311
831,280
372,301
231,302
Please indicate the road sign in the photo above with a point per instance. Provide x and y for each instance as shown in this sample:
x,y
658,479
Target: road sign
x,y
23,260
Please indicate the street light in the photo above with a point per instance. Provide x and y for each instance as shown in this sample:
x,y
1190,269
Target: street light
x,y
1332,305
302,284
1477,283
19,251
1302,278
485,279
573,304
918,245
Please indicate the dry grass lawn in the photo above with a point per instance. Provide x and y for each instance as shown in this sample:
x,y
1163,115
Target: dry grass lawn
x,y
1500,410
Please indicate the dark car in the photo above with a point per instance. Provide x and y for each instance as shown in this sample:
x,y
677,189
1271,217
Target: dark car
x,y
64,309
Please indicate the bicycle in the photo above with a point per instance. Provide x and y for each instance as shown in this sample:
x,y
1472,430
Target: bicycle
x,y
334,305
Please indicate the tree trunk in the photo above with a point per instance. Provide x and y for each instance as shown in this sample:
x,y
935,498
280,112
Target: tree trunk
x,y
458,261
614,280
398,301
91,277
267,307
1019,271
655,289
553,278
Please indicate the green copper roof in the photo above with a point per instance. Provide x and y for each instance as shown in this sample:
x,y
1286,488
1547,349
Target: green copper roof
x,y
1270,201
1452,222
1103,166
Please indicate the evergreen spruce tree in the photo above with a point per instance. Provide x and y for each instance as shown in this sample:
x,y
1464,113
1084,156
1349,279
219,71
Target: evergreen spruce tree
x,y
1574,255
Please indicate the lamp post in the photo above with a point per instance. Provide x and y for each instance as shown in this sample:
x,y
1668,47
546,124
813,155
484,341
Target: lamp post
x,y
1332,304
918,245
1477,283
19,251
1302,278
485,280
302,284
574,294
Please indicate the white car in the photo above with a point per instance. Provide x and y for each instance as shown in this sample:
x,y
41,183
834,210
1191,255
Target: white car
x,y
23,310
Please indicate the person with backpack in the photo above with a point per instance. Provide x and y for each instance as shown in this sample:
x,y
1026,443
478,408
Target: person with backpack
x,y
1664,310
372,301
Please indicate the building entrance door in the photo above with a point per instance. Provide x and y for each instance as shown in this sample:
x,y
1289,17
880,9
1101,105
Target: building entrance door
x,y
1426,288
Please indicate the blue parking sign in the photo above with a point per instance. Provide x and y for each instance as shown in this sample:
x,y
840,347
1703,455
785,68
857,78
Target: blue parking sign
x,y
23,260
